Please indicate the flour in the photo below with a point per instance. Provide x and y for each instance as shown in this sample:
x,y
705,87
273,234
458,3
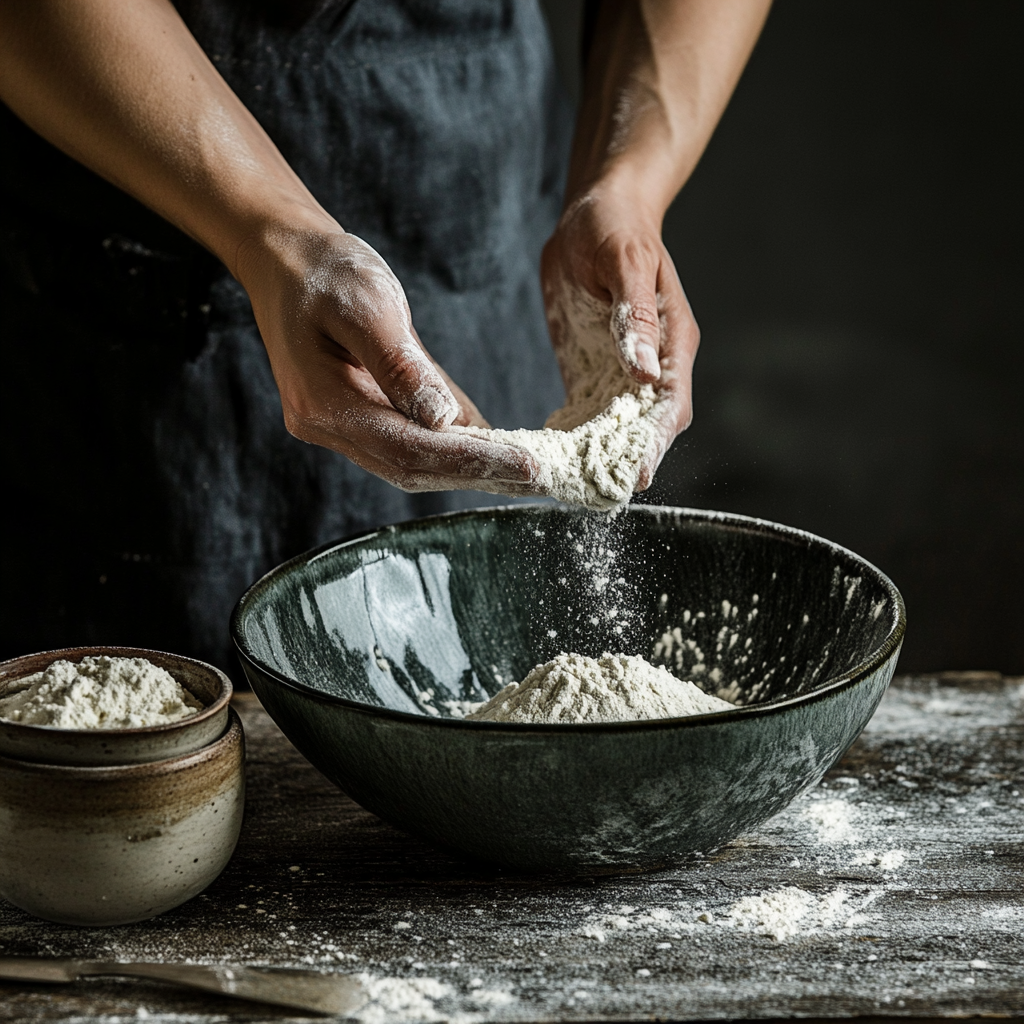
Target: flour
x,y
613,688
99,693
788,911
887,860
591,451
833,821
780,914
412,999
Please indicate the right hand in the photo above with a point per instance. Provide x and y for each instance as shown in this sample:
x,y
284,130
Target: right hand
x,y
352,372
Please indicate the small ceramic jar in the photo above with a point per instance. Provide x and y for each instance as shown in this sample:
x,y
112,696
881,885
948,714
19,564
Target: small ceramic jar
x,y
118,746
104,845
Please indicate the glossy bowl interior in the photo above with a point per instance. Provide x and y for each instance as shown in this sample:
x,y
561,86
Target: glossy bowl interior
x,y
360,651
97,747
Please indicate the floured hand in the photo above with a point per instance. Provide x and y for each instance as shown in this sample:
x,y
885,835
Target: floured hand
x,y
352,372
610,286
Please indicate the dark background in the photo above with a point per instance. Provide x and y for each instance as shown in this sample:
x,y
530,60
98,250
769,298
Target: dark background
x,y
851,247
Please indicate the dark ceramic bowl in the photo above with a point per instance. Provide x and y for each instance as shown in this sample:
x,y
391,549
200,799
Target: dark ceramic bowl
x,y
357,648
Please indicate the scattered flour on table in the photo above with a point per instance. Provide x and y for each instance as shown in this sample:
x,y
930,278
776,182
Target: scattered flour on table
x,y
395,1000
888,860
99,693
839,823
401,999
788,911
833,820
613,688
591,451
779,914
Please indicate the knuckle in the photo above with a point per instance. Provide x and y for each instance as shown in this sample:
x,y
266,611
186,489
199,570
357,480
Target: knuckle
x,y
396,373
296,425
643,312
297,411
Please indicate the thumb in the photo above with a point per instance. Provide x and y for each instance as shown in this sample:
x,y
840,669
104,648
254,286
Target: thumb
x,y
635,323
403,371
376,327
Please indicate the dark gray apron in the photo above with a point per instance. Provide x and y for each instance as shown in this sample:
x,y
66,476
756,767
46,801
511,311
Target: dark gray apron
x,y
147,476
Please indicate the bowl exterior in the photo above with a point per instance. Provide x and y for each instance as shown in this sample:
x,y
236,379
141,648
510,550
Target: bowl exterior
x,y
584,800
109,846
358,650
101,747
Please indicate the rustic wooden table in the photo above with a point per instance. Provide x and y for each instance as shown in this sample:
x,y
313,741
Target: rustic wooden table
x,y
892,889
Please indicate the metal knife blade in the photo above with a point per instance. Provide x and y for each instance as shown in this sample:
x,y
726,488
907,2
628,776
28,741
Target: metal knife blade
x,y
303,990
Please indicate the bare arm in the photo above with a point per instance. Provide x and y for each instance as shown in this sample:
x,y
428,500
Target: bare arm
x,y
124,88
659,75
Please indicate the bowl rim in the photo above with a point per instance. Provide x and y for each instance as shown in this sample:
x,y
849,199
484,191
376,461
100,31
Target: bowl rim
x,y
888,649
234,733
9,671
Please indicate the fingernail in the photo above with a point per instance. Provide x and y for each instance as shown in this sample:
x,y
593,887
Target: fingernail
x,y
647,359
516,466
434,408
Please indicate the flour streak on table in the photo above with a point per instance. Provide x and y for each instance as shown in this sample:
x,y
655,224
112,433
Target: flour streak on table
x,y
902,873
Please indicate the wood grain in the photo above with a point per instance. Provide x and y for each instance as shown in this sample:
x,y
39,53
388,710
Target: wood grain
x,y
909,859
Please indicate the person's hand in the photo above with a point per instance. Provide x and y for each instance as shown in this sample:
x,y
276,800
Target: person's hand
x,y
606,269
352,372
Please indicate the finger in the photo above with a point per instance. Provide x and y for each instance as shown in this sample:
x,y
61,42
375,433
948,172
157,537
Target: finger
x,y
370,317
631,277
652,461
404,372
475,468
357,423
417,481
469,415
680,339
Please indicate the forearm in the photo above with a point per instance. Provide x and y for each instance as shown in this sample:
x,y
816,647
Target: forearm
x,y
125,89
659,75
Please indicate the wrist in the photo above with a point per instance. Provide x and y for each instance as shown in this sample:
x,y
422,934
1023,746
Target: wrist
x,y
619,190
276,238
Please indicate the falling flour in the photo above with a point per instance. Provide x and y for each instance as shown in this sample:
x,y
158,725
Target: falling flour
x,y
591,451
99,693
613,688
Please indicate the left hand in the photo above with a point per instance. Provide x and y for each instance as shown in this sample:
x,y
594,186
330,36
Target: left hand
x,y
607,249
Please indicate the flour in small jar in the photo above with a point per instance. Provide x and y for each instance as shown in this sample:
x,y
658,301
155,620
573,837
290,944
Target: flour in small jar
x,y
592,451
99,693
573,689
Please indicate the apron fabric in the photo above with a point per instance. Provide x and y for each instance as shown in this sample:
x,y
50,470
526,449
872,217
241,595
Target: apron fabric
x,y
149,478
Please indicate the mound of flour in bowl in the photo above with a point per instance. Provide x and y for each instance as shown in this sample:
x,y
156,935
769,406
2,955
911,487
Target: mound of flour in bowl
x,y
613,688
99,693
591,451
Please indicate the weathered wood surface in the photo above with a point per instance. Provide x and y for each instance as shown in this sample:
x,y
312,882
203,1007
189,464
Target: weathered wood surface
x,y
907,860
